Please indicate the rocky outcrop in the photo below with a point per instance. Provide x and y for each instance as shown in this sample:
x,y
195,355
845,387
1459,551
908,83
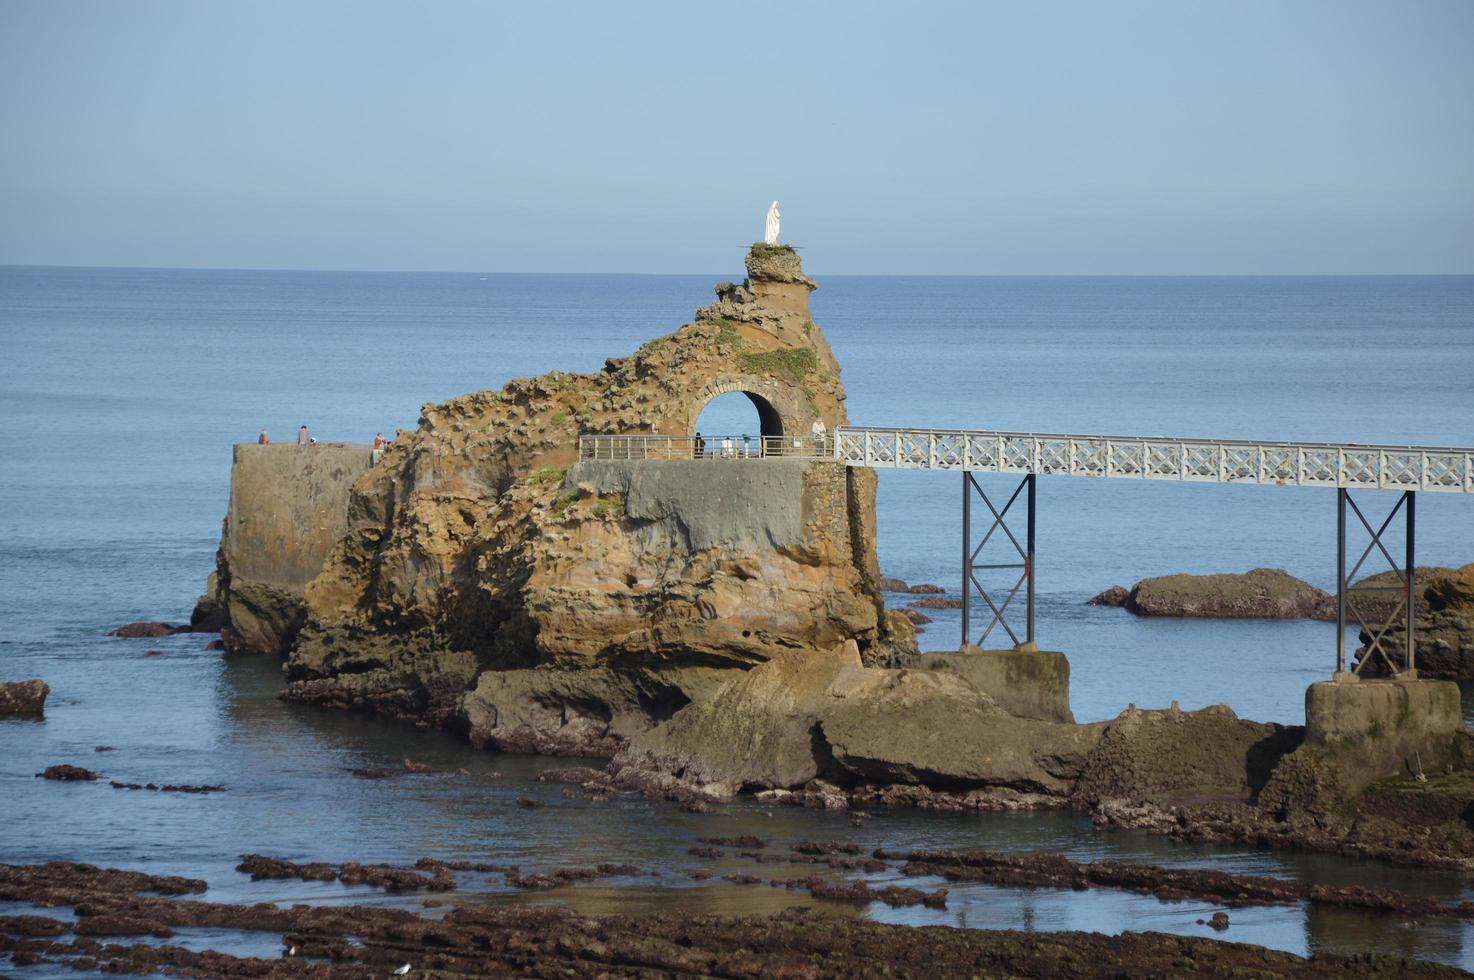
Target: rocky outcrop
x,y
805,717
489,581
146,630
1116,597
23,699
288,508
933,728
1163,756
1382,770
590,713
1263,593
1278,594
1443,631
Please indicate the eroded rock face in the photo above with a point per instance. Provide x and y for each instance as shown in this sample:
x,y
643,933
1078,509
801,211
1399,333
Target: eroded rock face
x,y
803,718
1443,630
23,699
490,581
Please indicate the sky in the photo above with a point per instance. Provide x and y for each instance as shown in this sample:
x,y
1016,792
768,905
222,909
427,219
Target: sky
x,y
981,138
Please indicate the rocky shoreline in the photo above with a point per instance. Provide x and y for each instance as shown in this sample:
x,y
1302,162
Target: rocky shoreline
x,y
523,940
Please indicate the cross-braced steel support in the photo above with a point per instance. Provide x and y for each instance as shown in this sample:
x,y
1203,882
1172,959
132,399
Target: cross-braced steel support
x,y
1346,596
970,564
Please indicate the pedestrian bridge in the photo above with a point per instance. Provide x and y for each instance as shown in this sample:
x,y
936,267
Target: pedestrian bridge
x,y
1353,466
1341,466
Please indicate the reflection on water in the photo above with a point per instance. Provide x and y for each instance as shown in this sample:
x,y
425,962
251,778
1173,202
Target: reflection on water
x,y
202,718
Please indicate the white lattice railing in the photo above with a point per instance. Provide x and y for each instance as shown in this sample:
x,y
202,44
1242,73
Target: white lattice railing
x,y
1295,464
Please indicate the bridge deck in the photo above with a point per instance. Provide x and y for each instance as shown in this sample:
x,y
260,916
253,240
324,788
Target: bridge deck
x,y
1443,469
1302,464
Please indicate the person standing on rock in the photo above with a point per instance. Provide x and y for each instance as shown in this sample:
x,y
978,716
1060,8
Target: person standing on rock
x,y
303,436
262,439
379,443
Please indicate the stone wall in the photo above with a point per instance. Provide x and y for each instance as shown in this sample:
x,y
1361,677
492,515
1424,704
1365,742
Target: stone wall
x,y
288,508
692,505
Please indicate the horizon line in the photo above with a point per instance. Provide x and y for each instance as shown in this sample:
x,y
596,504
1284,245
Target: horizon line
x,y
851,275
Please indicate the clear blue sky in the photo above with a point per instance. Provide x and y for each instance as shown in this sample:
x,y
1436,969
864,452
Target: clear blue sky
x,y
1283,136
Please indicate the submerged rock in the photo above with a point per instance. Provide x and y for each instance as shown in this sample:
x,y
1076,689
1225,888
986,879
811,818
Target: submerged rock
x,y
147,630
1116,596
23,699
936,602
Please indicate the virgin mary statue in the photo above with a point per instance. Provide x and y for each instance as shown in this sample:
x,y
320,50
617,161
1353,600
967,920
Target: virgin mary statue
x,y
770,232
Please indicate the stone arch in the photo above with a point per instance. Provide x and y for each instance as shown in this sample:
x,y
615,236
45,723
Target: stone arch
x,y
779,411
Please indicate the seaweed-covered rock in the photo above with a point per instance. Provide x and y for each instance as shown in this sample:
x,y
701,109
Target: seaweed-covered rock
x,y
1263,593
23,699
1154,755
146,630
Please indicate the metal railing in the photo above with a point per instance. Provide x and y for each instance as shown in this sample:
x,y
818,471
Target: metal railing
x,y
658,447
1303,464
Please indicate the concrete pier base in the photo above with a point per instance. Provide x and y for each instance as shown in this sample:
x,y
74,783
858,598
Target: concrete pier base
x,y
1391,727
1026,683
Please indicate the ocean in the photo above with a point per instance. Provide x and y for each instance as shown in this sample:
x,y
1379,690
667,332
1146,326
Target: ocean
x,y
122,390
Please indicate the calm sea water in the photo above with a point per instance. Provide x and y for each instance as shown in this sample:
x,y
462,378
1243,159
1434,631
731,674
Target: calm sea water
x,y
121,392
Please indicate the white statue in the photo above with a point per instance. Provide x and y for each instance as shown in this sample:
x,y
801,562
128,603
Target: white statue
x,y
770,233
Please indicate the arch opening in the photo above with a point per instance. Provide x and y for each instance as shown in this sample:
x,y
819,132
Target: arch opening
x,y
739,413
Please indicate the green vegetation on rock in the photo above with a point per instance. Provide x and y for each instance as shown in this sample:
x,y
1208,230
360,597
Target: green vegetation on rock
x,y
548,474
563,502
609,505
795,363
763,250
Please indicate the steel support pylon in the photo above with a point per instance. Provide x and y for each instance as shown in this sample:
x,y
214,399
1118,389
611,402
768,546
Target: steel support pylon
x,y
970,565
1405,609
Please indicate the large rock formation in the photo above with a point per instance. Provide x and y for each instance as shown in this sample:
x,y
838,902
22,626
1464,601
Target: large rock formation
x,y
806,716
1443,630
1263,593
489,580
288,508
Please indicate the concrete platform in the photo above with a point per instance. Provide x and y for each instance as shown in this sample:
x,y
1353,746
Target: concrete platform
x,y
1029,684
1392,727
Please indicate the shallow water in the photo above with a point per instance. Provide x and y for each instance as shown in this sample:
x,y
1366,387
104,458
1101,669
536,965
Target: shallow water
x,y
290,795
121,392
